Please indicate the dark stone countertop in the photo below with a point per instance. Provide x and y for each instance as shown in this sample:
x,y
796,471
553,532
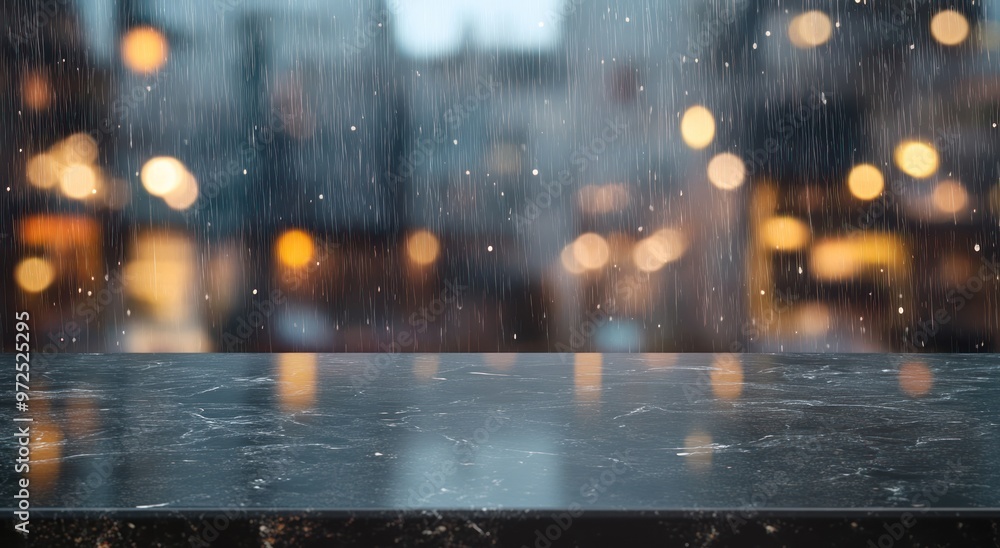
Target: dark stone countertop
x,y
728,439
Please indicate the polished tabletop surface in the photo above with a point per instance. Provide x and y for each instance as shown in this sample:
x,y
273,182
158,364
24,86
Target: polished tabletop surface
x,y
514,431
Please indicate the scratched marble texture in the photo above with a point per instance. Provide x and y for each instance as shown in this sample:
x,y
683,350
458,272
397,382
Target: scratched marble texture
x,y
524,431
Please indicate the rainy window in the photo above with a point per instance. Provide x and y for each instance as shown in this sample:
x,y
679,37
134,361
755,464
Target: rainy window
x,y
529,175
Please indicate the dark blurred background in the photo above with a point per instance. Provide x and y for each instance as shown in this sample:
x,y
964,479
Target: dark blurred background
x,y
547,175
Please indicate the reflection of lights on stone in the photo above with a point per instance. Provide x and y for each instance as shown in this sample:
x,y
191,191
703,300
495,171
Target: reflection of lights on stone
x,y
83,417
423,247
810,29
917,159
949,28
425,366
36,91
46,453
144,50
295,248
698,127
500,361
591,251
162,175
78,181
698,451
865,182
915,379
726,171
784,233
34,274
950,197
661,362
663,247
727,376
296,381
587,371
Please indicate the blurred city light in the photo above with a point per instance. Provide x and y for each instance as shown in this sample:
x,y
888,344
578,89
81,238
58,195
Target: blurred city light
x,y
726,171
663,247
865,182
698,127
162,175
810,29
917,159
423,247
950,28
144,50
950,197
591,251
785,233
36,90
295,248
34,274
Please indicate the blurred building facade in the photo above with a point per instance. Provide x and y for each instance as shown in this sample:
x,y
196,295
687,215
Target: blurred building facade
x,y
566,175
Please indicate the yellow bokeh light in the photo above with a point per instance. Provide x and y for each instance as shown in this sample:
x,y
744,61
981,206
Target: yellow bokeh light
x,y
950,197
569,261
144,50
917,159
423,247
162,175
34,274
784,233
994,200
295,248
865,182
813,318
42,171
727,376
726,171
832,260
949,28
810,29
184,196
663,247
78,181
77,148
840,258
591,251
162,269
698,127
